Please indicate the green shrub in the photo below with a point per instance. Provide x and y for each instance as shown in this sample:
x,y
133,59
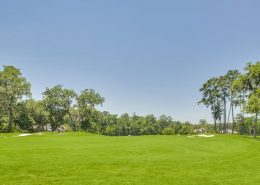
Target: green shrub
x,y
168,131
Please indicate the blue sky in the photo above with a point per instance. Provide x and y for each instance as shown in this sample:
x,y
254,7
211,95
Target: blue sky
x,y
143,56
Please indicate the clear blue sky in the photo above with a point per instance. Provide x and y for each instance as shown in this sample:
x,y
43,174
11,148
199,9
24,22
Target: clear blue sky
x,y
143,56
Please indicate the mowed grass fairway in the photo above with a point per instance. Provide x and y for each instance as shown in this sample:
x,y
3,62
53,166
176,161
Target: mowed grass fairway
x,y
79,158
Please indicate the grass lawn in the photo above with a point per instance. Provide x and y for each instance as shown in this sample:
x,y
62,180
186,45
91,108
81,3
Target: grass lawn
x,y
79,158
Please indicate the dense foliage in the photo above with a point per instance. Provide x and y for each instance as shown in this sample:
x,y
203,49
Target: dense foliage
x,y
242,92
62,109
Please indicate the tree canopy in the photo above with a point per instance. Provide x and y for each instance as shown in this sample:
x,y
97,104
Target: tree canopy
x,y
233,95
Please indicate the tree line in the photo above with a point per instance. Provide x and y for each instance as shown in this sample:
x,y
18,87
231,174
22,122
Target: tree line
x,y
234,92
62,107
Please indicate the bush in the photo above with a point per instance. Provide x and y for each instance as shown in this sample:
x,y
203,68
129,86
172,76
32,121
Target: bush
x,y
4,124
168,131
67,128
111,130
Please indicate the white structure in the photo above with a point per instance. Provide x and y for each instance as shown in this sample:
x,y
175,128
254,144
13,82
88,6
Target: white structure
x,y
228,131
200,131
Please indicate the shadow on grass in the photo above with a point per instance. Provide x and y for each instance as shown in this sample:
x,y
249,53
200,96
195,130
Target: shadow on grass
x,y
251,137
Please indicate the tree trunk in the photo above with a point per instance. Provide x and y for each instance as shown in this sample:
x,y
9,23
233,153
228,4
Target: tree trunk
x,y
11,119
242,111
225,116
256,115
215,125
232,112
233,116
229,112
219,126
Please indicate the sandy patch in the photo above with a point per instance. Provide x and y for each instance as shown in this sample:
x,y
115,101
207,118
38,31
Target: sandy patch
x,y
202,135
23,135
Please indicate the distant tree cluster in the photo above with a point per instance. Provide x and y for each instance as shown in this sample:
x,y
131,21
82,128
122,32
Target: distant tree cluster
x,y
226,94
64,108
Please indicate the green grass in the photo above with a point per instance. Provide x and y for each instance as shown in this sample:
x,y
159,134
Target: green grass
x,y
78,158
